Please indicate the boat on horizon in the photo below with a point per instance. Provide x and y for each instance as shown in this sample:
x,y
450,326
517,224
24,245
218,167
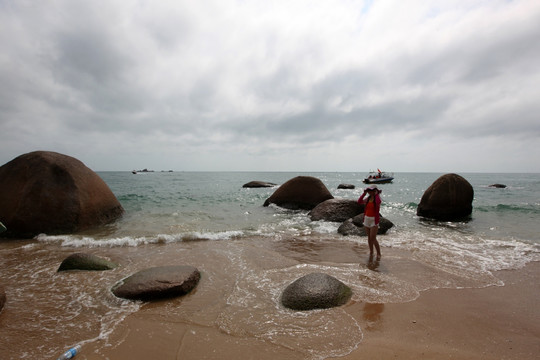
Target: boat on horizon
x,y
379,177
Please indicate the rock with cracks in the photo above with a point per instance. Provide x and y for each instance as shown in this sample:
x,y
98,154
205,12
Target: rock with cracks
x,y
47,192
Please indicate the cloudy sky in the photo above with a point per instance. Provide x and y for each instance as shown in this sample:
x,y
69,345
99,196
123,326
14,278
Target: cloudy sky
x,y
292,85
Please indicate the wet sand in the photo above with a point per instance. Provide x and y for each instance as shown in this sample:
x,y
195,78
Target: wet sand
x,y
497,322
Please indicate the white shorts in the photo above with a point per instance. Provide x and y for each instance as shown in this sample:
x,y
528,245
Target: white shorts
x,y
369,221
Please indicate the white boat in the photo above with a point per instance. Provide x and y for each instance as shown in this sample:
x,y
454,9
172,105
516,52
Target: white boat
x,y
379,177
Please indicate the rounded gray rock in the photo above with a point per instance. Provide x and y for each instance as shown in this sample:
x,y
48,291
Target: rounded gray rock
x,y
82,261
315,291
336,210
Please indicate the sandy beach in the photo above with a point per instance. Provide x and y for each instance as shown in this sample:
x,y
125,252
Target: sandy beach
x,y
497,322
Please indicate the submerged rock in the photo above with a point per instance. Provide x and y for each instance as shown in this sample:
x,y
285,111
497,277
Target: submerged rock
x,y
355,226
449,198
47,192
81,261
336,210
158,282
498,186
258,184
315,291
346,186
301,192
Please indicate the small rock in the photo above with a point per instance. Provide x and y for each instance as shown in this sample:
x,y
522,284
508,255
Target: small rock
x,y
81,261
158,282
346,186
258,184
498,186
315,291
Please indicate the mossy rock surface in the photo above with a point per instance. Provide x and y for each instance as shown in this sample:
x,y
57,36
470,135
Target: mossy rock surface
x,y
82,261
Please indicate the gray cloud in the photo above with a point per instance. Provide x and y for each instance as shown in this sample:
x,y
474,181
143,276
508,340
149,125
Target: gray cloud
x,y
258,82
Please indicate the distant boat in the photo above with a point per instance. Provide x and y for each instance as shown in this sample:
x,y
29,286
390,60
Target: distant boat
x,y
379,177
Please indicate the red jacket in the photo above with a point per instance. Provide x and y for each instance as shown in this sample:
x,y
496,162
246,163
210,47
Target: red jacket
x,y
378,201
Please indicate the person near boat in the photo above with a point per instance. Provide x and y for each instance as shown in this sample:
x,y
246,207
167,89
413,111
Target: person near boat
x,y
372,205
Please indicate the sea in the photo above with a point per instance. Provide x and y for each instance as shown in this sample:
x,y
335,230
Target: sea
x,y
248,254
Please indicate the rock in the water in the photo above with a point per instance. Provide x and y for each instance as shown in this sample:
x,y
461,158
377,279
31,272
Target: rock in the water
x,y
258,184
158,282
336,210
2,228
449,198
82,261
346,186
498,186
2,297
301,192
315,291
47,192
355,226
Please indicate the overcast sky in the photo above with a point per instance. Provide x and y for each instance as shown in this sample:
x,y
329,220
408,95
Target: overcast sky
x,y
337,85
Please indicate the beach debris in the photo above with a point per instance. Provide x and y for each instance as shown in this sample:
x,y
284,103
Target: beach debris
x,y
82,261
300,193
315,291
346,186
52,193
158,283
336,210
355,226
258,184
449,198
70,353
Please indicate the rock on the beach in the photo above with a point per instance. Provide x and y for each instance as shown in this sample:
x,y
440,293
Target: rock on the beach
x,y
258,184
355,226
449,198
315,291
2,297
301,192
346,186
82,261
336,210
48,192
158,282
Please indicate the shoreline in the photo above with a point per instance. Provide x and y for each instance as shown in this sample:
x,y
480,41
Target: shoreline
x,y
495,322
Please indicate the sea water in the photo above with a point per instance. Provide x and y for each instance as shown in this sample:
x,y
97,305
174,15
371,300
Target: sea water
x,y
249,253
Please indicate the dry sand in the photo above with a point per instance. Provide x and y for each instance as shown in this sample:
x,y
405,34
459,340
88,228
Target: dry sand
x,y
498,322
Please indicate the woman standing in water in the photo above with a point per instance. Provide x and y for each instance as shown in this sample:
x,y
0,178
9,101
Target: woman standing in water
x,y
371,217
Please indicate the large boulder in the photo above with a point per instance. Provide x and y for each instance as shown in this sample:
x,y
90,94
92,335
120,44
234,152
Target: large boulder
x,y
82,261
300,193
47,192
158,283
355,226
315,291
449,198
2,297
336,210
258,184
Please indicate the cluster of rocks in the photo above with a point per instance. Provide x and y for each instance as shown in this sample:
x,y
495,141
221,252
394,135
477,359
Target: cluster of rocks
x,y
54,193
